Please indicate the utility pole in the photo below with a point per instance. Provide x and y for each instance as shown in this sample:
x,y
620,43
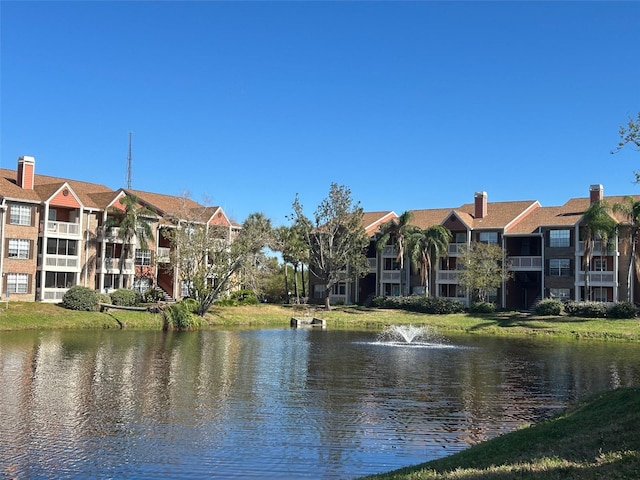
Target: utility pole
x,y
129,164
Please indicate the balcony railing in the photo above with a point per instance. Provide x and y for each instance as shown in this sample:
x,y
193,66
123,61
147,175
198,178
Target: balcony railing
x,y
372,264
447,276
62,261
454,249
391,276
163,255
53,294
525,263
109,234
597,248
390,251
112,265
65,229
607,278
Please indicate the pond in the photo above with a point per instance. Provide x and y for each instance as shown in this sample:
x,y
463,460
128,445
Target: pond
x,y
276,403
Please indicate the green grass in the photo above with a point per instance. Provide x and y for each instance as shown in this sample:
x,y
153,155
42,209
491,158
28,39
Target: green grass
x,y
596,439
35,315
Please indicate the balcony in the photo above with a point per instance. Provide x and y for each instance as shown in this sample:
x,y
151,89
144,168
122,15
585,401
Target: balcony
x,y
63,229
163,255
60,262
53,294
390,251
371,261
391,276
109,234
598,279
112,265
597,248
447,276
527,263
454,249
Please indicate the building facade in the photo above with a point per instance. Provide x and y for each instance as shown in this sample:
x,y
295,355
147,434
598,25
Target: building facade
x,y
56,233
544,247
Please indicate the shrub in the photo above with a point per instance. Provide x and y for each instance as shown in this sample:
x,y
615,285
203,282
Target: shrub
x,y
482,307
178,317
153,295
240,297
549,306
420,304
586,309
80,298
622,310
104,298
125,297
191,304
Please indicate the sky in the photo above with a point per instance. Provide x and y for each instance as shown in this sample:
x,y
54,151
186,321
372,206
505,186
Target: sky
x,y
244,105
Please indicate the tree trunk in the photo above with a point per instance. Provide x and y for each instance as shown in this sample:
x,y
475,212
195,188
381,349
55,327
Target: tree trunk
x,y
327,300
304,287
295,282
286,282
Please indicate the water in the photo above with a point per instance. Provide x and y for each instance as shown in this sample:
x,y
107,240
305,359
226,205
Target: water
x,y
275,403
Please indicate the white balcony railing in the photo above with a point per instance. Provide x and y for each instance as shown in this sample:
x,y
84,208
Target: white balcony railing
x,y
109,234
391,276
163,255
112,265
371,261
447,276
62,261
597,248
525,263
65,229
53,294
607,278
390,251
454,249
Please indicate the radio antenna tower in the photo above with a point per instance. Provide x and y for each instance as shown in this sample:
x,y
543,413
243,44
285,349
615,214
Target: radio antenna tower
x,y
129,164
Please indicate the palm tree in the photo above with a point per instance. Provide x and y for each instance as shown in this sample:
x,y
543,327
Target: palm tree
x,y
598,224
426,247
400,230
630,209
134,224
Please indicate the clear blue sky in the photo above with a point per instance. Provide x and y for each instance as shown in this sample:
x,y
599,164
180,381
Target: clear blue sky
x,y
410,104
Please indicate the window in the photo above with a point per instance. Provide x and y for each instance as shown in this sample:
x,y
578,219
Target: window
x,y
20,215
141,285
339,289
461,237
60,246
17,283
59,279
560,293
559,267
318,291
184,289
391,264
488,237
599,265
143,257
492,295
559,238
600,294
18,248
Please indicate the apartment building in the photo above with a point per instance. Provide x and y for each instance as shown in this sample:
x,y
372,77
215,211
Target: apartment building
x,y
56,233
544,246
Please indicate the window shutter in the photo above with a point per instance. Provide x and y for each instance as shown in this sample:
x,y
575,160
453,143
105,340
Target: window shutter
x,y
31,248
29,281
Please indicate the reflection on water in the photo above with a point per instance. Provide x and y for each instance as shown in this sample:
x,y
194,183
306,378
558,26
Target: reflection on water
x,y
276,402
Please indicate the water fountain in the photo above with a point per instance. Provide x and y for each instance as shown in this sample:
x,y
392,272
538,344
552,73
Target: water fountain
x,y
411,335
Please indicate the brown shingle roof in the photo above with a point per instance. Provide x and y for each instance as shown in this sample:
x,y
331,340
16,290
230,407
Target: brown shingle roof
x,y
373,220
429,217
499,214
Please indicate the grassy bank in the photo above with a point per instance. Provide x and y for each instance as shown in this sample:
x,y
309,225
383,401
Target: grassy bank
x,y
32,315
596,439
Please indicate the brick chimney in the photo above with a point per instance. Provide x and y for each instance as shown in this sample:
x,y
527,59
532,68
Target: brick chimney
x,y
596,193
26,172
481,204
